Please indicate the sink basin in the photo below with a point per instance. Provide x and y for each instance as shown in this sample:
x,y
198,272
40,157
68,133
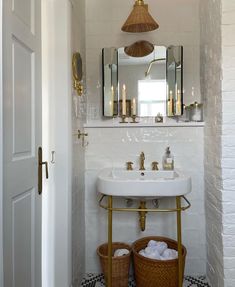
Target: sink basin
x,y
147,183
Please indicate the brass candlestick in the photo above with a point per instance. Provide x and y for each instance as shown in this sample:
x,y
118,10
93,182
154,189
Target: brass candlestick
x,y
123,121
134,119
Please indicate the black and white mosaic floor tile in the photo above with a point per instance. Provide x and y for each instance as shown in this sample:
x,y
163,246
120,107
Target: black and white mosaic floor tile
x,y
97,280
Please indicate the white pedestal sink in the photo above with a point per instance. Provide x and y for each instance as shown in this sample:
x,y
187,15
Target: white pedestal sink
x,y
146,183
143,185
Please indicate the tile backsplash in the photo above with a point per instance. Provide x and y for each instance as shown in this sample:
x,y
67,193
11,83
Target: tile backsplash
x,y
114,147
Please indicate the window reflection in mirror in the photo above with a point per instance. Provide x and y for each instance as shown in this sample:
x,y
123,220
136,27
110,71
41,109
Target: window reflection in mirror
x,y
148,104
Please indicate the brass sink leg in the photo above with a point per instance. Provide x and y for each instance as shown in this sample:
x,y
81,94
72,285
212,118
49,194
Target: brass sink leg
x,y
110,239
179,237
142,215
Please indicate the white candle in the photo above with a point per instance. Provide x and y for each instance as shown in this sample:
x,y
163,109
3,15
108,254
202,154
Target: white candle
x,y
178,95
111,107
112,100
134,107
112,93
124,100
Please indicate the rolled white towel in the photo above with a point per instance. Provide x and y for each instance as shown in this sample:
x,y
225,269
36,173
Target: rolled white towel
x,y
161,247
169,254
156,245
153,255
149,250
152,243
121,252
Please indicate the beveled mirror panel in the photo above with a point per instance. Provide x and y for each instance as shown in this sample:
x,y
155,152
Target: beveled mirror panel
x,y
110,81
145,83
174,81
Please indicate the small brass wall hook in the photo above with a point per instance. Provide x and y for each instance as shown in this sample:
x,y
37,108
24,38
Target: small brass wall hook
x,y
82,136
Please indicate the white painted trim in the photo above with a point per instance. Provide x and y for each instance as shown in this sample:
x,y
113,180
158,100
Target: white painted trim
x,y
57,136
115,123
1,154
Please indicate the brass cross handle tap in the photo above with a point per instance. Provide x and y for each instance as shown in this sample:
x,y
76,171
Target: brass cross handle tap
x,y
155,165
129,165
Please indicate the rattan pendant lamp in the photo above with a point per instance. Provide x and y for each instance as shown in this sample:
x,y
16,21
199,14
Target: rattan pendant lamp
x,y
139,49
140,20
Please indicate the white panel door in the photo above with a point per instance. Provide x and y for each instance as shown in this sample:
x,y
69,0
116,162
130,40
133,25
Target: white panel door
x,y
22,137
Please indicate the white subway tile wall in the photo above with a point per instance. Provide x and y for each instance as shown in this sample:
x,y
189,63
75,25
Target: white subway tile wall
x,y
78,184
114,147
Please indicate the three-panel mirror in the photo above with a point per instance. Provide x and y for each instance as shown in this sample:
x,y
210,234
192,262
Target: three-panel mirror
x,y
143,86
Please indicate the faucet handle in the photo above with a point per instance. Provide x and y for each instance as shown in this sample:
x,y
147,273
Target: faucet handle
x,y
129,165
155,165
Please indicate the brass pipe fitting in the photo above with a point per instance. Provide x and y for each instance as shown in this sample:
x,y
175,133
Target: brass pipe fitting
x,y
155,165
142,159
129,165
142,215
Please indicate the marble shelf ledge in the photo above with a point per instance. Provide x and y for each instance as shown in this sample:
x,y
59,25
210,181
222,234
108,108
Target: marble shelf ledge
x,y
116,124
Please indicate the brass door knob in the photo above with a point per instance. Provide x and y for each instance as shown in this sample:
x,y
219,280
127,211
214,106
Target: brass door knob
x,y
129,165
155,165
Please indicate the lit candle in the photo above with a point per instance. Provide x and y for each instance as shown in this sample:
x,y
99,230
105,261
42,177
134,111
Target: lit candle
x,y
178,95
124,100
111,107
112,93
112,100
134,107
170,105
178,104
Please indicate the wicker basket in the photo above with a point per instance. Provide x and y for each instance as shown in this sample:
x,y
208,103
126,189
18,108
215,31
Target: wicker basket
x,y
155,273
120,265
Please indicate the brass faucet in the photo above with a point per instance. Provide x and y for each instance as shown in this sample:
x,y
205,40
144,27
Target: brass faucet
x,y
142,158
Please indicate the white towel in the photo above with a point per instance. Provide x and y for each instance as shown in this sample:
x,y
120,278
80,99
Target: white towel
x,y
154,255
169,254
149,253
152,243
158,250
142,252
157,245
121,252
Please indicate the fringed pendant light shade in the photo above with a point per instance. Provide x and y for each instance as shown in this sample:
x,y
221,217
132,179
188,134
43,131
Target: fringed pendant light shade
x,y
140,20
139,49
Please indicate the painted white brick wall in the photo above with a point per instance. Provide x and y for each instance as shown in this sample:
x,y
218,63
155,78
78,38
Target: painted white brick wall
x,y
218,88
114,147
211,90
228,139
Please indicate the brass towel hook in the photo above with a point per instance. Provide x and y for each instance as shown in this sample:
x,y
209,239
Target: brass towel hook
x,y
82,136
